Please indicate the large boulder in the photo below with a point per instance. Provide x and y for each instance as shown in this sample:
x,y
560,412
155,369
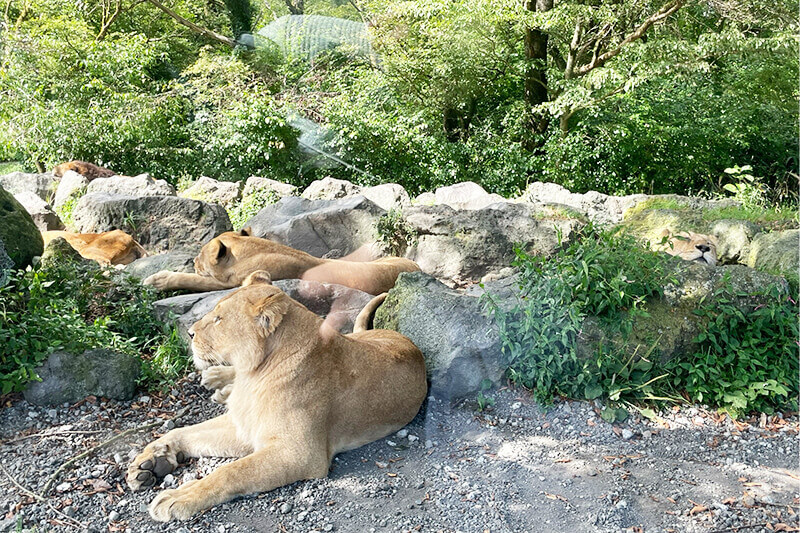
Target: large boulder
x,y
387,196
6,265
158,223
71,187
42,185
460,343
776,252
224,193
733,239
141,185
332,227
330,189
468,245
265,186
465,195
339,305
174,261
18,234
40,211
67,377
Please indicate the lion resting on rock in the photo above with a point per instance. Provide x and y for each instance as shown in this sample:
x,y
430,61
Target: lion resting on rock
x,y
228,259
690,246
109,248
298,398
89,171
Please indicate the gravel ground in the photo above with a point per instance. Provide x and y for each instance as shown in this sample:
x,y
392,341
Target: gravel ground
x,y
515,467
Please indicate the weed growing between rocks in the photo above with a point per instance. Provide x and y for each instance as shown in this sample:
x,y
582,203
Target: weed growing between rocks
x,y
77,306
744,360
250,206
394,233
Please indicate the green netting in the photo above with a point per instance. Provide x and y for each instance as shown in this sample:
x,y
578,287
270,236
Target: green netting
x,y
305,36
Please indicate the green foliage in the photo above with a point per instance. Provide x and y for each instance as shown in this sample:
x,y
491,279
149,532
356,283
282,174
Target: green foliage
x,y
601,273
75,307
747,358
748,189
65,210
250,206
394,233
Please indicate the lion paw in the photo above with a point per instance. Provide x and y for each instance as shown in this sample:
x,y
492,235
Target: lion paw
x,y
159,280
220,396
177,504
217,377
155,462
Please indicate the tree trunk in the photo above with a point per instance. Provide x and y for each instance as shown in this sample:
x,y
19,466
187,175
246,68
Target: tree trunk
x,y
296,7
536,75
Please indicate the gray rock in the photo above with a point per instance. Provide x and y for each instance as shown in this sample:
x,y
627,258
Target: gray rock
x,y
158,223
460,343
426,198
605,209
466,195
68,377
175,261
40,211
224,193
254,183
42,185
330,189
468,245
776,252
19,236
6,265
59,251
72,185
733,239
141,185
318,227
387,196
338,304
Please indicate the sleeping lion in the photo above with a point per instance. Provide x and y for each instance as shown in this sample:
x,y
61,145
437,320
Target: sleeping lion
x,y
298,398
109,248
228,259
690,246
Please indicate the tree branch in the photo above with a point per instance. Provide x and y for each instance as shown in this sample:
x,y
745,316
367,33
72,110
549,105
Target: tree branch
x,y
194,27
638,33
572,53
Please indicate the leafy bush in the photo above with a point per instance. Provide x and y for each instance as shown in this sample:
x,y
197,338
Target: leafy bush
x,y
250,206
76,307
747,359
394,233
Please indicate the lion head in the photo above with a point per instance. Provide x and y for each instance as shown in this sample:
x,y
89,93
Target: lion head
x,y
691,246
239,330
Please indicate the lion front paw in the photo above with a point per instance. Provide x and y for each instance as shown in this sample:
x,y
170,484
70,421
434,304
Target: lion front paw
x,y
220,396
155,462
159,280
217,377
177,504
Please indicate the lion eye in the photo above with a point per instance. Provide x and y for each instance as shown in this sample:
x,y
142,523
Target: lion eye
x,y
217,320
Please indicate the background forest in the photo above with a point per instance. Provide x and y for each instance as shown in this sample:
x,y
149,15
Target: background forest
x,y
617,96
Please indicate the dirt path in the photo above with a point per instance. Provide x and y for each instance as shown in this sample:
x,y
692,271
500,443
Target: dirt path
x,y
515,468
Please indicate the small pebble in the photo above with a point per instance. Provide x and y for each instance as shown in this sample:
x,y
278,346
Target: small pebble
x,y
286,508
403,433
627,434
113,516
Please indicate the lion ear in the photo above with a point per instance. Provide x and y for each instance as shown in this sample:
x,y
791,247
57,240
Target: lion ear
x,y
270,311
246,232
259,276
217,251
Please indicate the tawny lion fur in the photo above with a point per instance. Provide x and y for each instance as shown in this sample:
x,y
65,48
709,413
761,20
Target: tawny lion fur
x,y
89,171
228,259
690,246
297,398
109,248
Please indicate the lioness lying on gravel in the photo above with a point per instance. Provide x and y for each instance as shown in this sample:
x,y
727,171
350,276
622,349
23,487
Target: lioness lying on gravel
x,y
690,246
228,259
110,248
298,398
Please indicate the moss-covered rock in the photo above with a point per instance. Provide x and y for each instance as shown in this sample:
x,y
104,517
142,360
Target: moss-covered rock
x,y
19,235
59,251
776,252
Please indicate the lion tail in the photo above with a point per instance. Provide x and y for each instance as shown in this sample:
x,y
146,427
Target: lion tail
x,y
364,319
